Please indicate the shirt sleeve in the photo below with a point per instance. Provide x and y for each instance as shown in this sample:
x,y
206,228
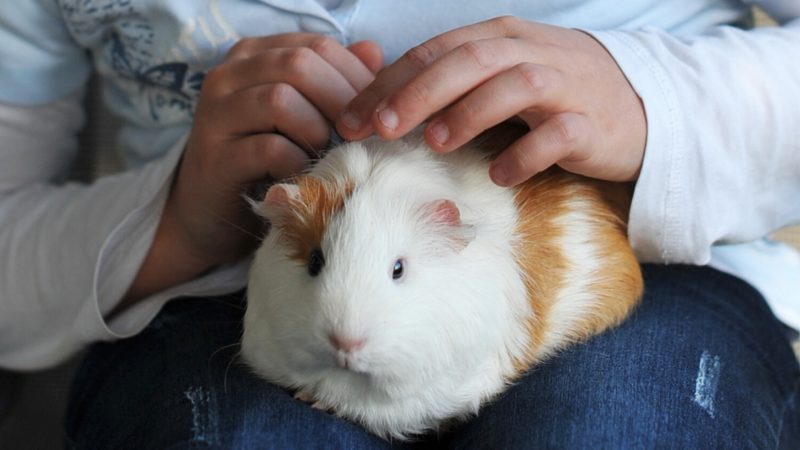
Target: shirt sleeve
x,y
68,252
39,59
722,160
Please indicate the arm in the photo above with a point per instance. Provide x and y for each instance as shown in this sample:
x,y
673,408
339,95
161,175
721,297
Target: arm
x,y
722,162
85,263
67,252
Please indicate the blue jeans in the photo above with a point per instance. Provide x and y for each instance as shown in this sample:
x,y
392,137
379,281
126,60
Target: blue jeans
x,y
702,363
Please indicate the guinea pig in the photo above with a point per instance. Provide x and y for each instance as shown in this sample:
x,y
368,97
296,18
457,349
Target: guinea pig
x,y
402,289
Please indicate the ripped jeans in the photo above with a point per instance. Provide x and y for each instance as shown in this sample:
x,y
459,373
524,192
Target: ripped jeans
x,y
702,363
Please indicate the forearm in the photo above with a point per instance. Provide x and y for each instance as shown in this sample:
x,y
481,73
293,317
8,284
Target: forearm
x,y
69,252
170,261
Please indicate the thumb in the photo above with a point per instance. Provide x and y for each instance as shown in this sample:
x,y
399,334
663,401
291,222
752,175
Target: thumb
x,y
369,53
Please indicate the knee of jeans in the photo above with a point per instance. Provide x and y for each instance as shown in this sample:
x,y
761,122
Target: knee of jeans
x,y
700,361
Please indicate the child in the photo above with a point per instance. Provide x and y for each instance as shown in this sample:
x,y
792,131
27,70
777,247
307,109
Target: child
x,y
217,96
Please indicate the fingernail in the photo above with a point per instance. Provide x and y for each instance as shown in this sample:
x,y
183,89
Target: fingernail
x,y
351,120
388,118
499,174
439,132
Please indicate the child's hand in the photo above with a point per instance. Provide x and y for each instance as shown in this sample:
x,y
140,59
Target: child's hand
x,y
583,113
263,113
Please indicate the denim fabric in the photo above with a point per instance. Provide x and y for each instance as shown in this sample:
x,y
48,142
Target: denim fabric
x,y
702,363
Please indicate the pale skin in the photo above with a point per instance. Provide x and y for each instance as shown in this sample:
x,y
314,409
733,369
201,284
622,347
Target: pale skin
x,y
268,108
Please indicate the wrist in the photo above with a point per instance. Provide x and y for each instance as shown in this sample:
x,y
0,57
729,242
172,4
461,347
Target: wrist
x,y
170,261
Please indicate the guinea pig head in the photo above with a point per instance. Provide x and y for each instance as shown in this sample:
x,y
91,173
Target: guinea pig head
x,y
354,283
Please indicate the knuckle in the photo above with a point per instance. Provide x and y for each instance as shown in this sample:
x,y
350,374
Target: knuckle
x,y
367,98
466,115
532,75
522,160
567,132
267,149
477,53
299,59
507,23
415,92
372,92
277,96
262,152
420,56
322,45
242,48
215,80
274,153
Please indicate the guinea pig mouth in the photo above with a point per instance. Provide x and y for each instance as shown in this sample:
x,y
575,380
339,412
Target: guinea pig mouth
x,y
350,362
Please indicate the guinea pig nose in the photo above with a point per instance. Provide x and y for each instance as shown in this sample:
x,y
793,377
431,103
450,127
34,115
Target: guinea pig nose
x,y
345,345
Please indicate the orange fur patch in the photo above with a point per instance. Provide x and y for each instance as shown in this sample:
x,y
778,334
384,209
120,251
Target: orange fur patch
x,y
318,201
619,282
540,200
617,286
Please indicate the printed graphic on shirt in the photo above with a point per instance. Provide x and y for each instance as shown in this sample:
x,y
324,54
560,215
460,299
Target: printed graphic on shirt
x,y
158,69
165,86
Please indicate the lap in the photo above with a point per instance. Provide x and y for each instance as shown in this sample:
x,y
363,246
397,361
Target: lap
x,y
179,384
701,363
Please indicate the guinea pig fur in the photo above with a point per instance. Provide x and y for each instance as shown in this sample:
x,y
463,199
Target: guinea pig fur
x,y
402,289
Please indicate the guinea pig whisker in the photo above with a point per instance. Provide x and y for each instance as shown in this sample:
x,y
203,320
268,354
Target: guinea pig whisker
x,y
234,225
232,305
234,358
224,347
239,228
220,322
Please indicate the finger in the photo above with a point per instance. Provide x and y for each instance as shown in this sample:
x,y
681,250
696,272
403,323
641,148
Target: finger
x,y
538,90
344,61
267,156
271,108
443,82
355,123
557,139
300,67
369,53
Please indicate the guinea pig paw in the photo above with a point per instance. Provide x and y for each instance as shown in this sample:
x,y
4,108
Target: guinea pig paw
x,y
308,398
322,407
305,397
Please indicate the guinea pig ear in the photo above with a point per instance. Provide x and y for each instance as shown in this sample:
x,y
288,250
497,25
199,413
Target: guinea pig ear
x,y
276,201
446,216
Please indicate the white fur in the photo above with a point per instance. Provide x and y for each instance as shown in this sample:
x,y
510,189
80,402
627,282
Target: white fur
x,y
440,341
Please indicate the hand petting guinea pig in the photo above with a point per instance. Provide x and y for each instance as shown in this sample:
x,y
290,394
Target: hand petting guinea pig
x,y
402,289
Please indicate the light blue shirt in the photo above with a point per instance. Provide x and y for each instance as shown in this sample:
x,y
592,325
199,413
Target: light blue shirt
x,y
153,54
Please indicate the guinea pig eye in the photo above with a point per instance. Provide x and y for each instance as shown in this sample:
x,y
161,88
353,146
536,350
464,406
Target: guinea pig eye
x,y
315,262
398,269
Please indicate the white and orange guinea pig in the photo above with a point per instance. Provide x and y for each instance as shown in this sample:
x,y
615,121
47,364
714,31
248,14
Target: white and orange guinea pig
x,y
402,289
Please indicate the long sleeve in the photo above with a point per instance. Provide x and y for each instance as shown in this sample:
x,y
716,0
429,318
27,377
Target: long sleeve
x,y
68,252
722,161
